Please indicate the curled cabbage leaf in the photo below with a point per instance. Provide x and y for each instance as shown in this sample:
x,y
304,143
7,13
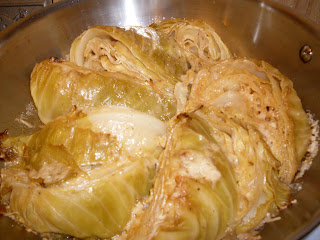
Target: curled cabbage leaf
x,y
57,86
256,95
202,44
134,50
82,174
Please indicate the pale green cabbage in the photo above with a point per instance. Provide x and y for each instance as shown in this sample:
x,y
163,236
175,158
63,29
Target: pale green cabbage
x,y
82,174
133,50
202,45
58,86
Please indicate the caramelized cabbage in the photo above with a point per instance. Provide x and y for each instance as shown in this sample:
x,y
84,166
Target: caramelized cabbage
x,y
255,169
194,195
259,96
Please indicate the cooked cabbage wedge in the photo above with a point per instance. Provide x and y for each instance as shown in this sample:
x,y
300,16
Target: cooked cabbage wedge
x,y
194,195
255,169
134,50
155,133
57,86
202,44
257,95
82,174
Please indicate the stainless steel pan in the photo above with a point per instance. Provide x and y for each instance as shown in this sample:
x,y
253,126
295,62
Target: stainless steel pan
x,y
250,28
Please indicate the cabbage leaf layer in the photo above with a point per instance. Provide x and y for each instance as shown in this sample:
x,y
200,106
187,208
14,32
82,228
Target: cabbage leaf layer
x,y
133,50
256,95
194,194
202,45
82,174
57,86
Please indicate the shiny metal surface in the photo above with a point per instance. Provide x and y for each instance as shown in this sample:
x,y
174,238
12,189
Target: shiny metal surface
x,y
250,28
